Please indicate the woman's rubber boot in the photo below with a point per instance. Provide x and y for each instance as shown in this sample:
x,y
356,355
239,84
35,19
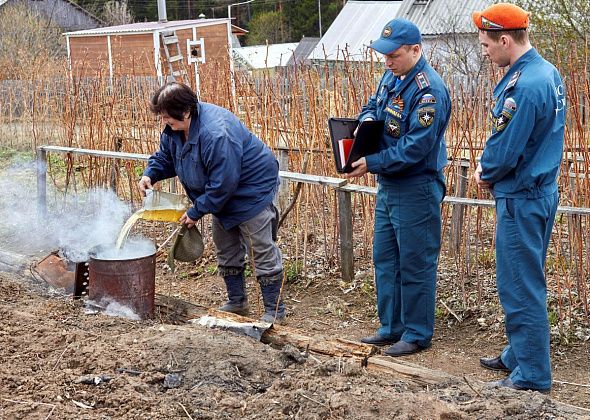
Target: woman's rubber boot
x,y
274,308
237,301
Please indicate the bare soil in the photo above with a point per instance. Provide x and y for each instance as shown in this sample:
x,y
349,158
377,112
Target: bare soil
x,y
58,362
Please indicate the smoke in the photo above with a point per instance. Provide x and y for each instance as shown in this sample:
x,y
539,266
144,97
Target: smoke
x,y
74,223
111,308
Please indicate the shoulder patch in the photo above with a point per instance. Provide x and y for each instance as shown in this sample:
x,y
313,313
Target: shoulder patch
x,y
509,105
422,80
512,80
503,120
427,99
426,116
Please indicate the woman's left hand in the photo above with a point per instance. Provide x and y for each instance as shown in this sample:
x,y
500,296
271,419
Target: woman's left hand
x,y
185,220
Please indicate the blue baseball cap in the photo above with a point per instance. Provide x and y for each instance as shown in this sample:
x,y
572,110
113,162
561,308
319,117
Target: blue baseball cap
x,y
396,33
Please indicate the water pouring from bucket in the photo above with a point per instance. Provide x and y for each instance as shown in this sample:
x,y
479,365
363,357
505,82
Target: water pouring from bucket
x,y
158,206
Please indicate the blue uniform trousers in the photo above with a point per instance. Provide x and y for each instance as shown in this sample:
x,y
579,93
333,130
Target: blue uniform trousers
x,y
522,237
405,253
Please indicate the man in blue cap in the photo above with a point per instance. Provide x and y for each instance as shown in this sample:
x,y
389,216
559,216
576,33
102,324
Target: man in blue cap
x,y
520,164
415,105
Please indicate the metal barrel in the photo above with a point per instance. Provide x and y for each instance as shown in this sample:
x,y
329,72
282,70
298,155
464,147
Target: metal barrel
x,y
130,282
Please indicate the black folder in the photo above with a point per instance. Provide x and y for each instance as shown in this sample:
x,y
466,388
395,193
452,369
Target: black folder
x,y
365,143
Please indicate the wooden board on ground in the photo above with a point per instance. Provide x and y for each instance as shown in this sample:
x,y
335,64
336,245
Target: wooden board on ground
x,y
414,372
280,335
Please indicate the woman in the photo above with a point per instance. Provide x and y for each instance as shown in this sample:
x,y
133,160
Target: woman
x,y
227,172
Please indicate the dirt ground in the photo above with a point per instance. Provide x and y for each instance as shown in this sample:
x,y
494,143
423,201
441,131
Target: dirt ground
x,y
56,361
59,362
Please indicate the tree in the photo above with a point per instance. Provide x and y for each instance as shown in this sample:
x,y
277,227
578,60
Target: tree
x,y
117,13
558,21
29,43
266,26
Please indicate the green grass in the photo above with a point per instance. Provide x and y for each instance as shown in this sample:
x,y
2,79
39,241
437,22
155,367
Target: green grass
x,y
10,155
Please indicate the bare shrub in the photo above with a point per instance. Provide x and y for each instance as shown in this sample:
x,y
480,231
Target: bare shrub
x,y
30,44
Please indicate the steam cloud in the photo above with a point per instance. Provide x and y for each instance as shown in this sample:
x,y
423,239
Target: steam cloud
x,y
74,223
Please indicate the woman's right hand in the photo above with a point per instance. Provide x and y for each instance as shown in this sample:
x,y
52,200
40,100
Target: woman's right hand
x,y
145,183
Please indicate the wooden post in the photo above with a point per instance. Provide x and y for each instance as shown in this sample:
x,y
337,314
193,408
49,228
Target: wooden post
x,y
41,182
114,171
283,197
345,224
456,234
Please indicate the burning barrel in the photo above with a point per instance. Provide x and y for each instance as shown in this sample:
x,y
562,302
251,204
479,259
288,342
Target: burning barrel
x,y
126,276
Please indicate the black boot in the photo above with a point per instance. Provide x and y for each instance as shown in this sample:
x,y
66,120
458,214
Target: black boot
x,y
274,308
237,301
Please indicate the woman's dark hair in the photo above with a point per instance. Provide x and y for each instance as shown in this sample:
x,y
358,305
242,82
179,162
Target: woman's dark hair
x,y
174,99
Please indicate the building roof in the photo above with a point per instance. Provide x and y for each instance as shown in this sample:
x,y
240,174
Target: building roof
x,y
305,47
436,17
265,56
146,27
66,3
355,27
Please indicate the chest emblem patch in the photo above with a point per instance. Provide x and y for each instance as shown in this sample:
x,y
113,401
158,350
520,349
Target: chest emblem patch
x,y
393,127
397,103
426,116
394,112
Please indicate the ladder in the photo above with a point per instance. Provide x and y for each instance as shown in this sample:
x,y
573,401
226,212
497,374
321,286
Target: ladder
x,y
174,57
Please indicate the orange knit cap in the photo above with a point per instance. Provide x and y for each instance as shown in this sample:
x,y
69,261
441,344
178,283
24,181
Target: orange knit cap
x,y
501,17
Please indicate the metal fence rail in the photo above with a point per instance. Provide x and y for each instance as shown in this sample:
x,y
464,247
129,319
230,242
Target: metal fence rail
x,y
343,188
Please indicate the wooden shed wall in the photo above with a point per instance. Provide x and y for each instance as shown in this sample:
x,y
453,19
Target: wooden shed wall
x,y
133,54
215,43
89,56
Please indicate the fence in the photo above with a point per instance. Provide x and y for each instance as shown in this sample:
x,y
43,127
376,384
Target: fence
x,y
289,110
344,192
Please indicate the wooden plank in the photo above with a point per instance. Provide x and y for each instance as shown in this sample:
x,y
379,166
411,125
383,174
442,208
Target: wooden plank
x,y
97,153
407,370
469,201
363,189
313,179
281,335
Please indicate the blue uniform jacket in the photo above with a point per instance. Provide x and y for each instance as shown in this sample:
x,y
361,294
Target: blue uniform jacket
x,y
522,156
225,169
416,111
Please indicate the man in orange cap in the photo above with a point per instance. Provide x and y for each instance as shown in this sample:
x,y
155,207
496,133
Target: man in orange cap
x,y
519,165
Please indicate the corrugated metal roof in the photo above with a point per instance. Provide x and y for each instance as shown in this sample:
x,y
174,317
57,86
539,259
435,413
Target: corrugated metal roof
x,y
144,27
265,56
435,17
73,4
305,47
355,27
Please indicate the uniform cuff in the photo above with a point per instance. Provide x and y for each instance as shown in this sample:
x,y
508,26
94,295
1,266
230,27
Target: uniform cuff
x,y
373,164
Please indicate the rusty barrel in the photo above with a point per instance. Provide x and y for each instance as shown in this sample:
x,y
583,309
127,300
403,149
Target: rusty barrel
x,y
129,282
